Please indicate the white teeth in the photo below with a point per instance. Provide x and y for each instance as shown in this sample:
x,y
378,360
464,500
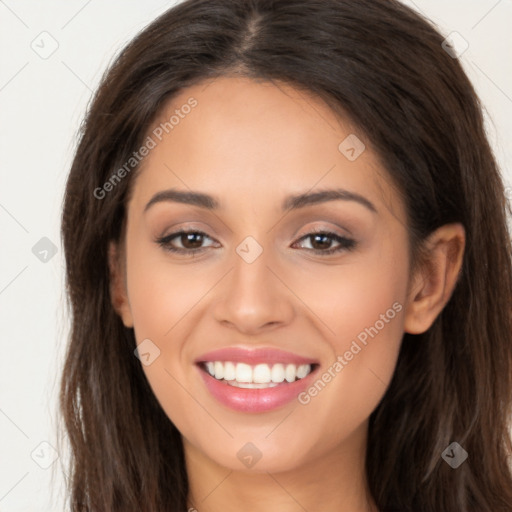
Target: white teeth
x,y
251,385
229,371
303,370
211,368
219,370
289,372
259,376
243,372
277,373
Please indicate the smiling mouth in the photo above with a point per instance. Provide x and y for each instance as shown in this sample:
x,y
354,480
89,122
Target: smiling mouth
x,y
258,376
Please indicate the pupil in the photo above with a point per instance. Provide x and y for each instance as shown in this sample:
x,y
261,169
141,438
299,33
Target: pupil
x,y
324,238
190,238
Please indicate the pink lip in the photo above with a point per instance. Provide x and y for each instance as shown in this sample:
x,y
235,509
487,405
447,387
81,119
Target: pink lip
x,y
254,356
255,400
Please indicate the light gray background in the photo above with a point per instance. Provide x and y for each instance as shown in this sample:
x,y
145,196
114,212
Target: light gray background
x,y
42,101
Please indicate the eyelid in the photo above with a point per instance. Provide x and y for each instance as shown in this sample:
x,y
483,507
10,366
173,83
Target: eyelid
x,y
340,231
344,243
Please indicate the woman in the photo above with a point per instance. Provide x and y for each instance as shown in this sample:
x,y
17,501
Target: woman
x,y
289,270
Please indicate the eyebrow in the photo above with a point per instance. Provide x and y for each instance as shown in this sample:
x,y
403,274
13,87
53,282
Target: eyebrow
x,y
292,202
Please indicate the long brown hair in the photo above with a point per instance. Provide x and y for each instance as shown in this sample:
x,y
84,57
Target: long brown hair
x,y
383,66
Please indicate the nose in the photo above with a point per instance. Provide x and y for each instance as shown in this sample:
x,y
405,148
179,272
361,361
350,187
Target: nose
x,y
254,297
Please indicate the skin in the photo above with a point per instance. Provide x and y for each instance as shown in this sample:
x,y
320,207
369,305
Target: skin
x,y
251,144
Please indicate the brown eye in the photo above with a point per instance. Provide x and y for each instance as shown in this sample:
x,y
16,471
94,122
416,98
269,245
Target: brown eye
x,y
190,241
321,242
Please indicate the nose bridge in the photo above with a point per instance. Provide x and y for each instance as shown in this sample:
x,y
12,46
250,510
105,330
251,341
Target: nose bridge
x,y
252,296
251,275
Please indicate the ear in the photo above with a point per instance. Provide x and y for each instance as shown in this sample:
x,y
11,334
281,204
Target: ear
x,y
434,282
118,291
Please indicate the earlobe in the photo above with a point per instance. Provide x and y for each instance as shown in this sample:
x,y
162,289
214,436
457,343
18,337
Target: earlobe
x,y
434,283
118,292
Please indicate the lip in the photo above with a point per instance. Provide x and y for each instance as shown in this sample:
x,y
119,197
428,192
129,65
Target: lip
x,y
255,400
254,356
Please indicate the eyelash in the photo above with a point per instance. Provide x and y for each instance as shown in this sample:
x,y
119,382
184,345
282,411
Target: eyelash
x,y
347,244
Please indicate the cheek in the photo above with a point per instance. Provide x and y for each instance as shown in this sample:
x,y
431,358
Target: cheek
x,y
162,300
364,310
166,305
355,300
352,383
163,294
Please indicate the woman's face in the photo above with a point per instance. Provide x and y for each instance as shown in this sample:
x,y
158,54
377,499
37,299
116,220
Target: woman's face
x,y
274,298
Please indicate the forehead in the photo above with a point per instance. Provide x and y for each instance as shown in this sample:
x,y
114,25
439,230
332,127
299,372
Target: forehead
x,y
257,141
